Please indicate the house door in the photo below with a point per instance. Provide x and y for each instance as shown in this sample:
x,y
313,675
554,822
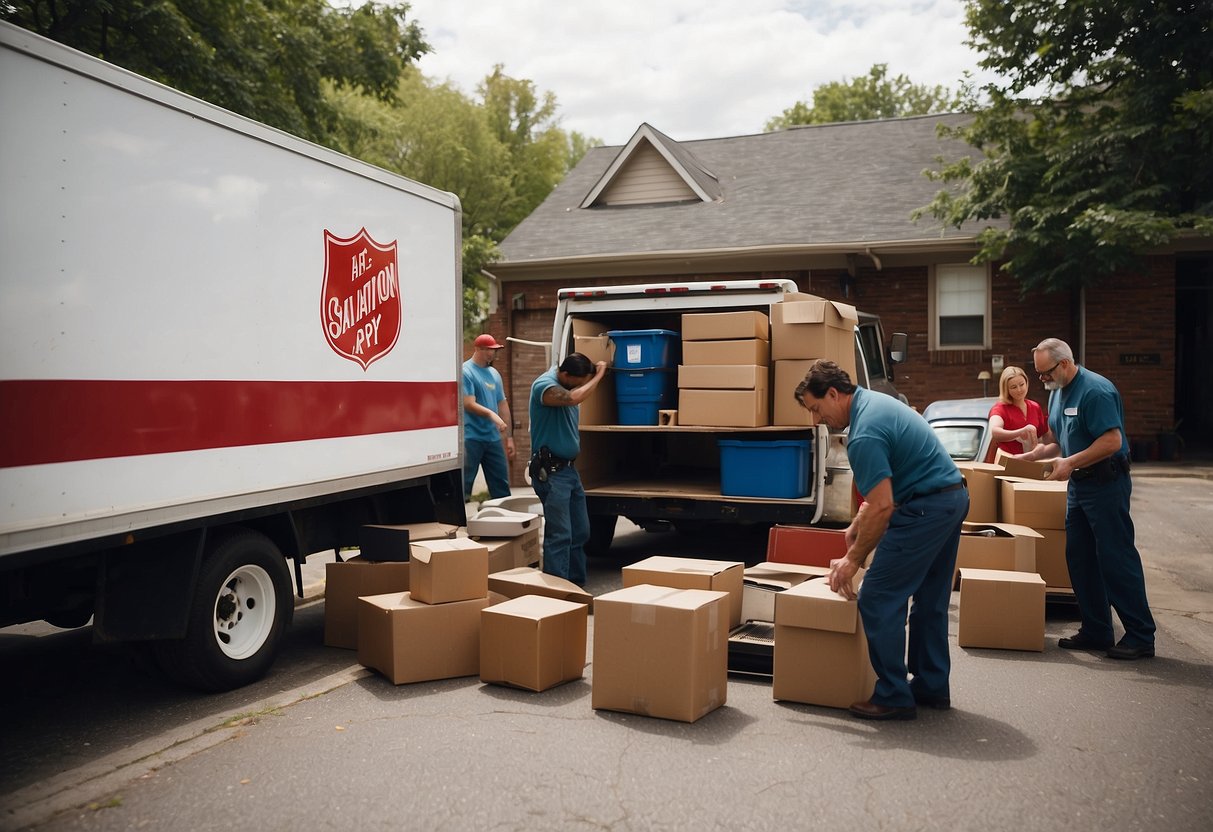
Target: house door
x,y
1193,350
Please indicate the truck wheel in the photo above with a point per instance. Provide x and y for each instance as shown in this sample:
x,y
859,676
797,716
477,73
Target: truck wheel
x,y
602,532
241,609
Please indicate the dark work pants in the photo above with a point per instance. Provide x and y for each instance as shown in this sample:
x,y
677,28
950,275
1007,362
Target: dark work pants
x,y
914,559
1105,566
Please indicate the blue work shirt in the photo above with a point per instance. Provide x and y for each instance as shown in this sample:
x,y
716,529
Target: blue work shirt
x,y
555,427
485,384
1084,410
888,439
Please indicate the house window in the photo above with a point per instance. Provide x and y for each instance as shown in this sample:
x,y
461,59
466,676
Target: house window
x,y
961,300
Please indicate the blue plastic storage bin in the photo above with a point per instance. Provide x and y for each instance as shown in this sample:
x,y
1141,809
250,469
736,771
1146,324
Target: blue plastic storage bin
x,y
644,349
777,468
640,410
655,382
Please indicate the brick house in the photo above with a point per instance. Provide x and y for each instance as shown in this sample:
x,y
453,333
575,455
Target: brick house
x,y
829,206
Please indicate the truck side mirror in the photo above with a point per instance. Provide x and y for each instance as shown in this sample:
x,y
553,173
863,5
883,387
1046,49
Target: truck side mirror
x,y
898,347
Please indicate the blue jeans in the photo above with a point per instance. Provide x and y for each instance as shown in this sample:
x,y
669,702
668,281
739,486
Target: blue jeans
x,y
914,559
566,524
1105,566
477,452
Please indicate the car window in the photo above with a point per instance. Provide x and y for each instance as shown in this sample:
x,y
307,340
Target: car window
x,y
962,442
873,354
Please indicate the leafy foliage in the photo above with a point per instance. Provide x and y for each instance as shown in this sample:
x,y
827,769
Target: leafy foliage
x,y
873,96
1096,138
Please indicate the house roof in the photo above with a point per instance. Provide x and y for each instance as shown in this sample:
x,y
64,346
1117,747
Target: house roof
x,y
700,180
837,186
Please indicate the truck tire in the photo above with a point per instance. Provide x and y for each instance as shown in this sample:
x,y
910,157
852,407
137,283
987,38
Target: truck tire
x,y
602,532
241,609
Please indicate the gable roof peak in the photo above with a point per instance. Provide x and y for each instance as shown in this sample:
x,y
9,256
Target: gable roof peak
x,y
701,181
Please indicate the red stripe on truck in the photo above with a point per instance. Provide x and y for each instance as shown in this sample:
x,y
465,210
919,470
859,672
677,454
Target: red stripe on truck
x,y
44,421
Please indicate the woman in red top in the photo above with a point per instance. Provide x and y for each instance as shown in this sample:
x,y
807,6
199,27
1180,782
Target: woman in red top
x,y
1016,422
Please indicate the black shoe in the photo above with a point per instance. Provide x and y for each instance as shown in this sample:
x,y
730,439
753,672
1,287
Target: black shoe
x,y
1081,641
1124,651
938,703
871,710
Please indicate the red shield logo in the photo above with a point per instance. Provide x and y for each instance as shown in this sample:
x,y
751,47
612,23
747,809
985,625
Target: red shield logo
x,y
360,300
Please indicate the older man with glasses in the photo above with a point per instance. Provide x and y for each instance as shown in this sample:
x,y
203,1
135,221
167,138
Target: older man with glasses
x,y
1086,427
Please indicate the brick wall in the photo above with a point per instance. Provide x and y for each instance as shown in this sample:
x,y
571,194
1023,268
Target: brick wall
x,y
1128,314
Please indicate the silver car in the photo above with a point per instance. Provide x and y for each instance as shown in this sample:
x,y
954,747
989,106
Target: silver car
x,y
963,426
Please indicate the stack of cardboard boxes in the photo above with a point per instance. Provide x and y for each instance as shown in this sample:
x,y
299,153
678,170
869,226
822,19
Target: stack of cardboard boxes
x,y
723,378
805,328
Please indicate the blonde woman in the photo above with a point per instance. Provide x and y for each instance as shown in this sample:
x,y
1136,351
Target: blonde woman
x,y
1016,422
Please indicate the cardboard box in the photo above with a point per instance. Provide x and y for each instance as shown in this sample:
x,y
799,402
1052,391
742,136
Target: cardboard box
x,y
661,652
763,581
514,583
786,410
1004,610
689,573
533,642
717,326
391,543
821,652
996,546
408,641
724,408
442,571
1051,558
747,351
513,552
344,583
501,522
590,339
1023,468
980,477
1035,503
804,545
722,376
806,326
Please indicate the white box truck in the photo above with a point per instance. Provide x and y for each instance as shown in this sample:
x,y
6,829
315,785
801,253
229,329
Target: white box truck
x,y
223,348
662,474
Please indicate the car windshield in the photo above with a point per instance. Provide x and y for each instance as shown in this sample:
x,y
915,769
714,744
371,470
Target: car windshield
x,y
962,442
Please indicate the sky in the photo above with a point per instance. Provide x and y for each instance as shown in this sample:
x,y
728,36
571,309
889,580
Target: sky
x,y
693,69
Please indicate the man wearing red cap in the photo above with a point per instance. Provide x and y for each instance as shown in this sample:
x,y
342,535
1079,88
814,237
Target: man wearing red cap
x,y
487,426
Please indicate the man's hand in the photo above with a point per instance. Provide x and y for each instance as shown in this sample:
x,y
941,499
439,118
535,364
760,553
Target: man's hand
x,y
842,571
1061,469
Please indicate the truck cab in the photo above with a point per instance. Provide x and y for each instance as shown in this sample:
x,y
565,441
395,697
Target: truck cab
x,y
671,474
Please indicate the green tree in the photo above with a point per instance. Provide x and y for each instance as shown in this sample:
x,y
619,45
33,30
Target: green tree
x,y
873,96
1096,141
265,59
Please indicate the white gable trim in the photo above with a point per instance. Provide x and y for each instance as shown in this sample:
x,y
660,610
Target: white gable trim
x,y
658,142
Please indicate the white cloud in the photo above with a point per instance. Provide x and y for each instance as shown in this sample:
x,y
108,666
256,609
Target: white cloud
x,y
691,68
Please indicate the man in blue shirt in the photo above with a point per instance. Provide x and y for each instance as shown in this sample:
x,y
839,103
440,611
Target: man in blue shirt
x,y
914,504
1086,426
486,424
555,443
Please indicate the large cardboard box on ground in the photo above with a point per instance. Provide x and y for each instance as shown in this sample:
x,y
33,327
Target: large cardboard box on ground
x,y
344,583
590,339
512,552
1038,504
408,641
786,410
804,545
996,546
532,642
1000,609
514,583
718,326
722,376
725,408
391,543
1051,558
982,482
661,652
821,652
763,581
441,571
806,326
1023,468
748,351
691,573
